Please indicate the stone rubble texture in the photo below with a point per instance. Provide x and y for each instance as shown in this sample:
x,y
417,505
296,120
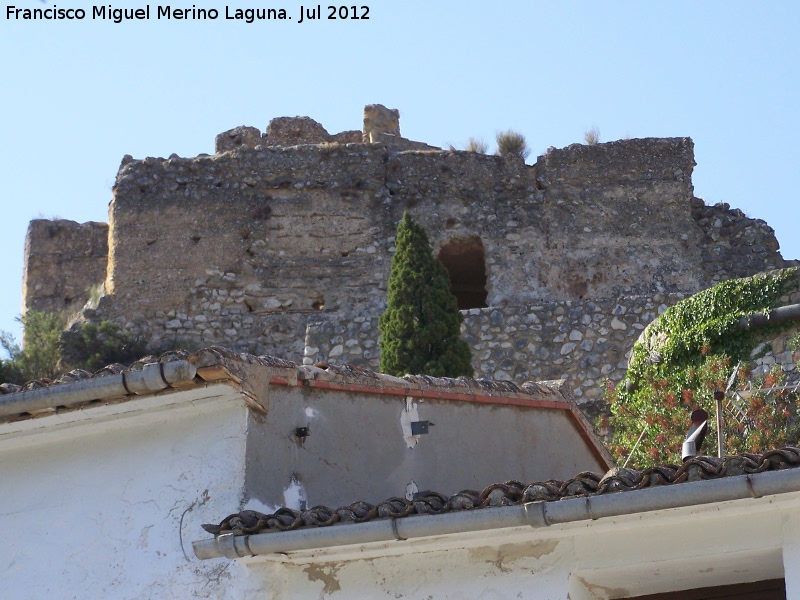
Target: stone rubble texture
x,y
379,120
281,244
63,259
779,352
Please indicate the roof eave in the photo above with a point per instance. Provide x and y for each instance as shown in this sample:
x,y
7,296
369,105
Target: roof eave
x,y
531,514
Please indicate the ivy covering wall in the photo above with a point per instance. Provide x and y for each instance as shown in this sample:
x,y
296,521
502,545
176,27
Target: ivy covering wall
x,y
686,354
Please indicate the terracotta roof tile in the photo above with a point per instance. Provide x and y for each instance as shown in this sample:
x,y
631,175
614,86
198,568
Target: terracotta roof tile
x,y
509,493
345,374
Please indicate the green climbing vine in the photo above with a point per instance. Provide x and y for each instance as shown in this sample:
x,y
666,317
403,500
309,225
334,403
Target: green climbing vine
x,y
683,356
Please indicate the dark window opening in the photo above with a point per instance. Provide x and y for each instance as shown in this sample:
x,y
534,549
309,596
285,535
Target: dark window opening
x,y
465,262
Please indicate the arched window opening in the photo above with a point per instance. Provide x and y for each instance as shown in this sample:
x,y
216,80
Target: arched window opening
x,y
465,262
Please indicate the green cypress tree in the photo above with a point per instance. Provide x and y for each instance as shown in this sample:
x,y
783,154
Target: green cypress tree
x,y
420,330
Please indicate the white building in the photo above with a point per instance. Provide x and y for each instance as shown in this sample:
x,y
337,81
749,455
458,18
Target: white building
x,y
108,478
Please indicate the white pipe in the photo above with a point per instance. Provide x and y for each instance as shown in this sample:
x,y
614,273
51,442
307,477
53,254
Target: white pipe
x,y
636,445
152,378
534,514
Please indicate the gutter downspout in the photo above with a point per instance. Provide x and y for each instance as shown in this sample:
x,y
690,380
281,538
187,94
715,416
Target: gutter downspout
x,y
152,378
533,514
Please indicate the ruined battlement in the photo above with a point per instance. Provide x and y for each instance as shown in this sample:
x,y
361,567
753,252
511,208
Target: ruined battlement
x,y
328,212
63,259
646,159
281,243
381,126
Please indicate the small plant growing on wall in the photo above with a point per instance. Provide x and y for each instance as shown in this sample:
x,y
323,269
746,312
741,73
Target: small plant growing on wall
x,y
420,330
592,136
477,146
512,143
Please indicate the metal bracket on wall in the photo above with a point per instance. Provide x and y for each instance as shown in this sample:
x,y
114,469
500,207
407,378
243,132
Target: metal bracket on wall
x,y
420,427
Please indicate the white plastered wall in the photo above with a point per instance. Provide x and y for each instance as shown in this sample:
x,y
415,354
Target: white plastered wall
x,y
104,502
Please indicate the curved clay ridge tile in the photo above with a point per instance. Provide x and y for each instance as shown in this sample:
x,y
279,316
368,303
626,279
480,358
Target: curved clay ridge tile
x,y
512,493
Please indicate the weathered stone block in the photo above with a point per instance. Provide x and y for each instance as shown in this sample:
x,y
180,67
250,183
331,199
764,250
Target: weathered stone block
x,y
290,131
237,137
380,120
63,260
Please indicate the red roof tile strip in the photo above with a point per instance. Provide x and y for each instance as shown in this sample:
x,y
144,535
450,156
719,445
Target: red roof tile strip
x,y
511,493
216,355
550,394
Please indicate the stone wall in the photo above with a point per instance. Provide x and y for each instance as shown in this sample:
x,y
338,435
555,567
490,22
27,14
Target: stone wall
x,y
779,350
246,247
584,342
733,244
63,259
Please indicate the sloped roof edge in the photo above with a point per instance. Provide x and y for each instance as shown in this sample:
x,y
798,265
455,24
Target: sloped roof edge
x,y
181,369
511,504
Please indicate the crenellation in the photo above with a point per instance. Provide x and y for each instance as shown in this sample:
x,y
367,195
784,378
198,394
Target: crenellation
x,y
63,260
380,122
293,131
232,139
641,159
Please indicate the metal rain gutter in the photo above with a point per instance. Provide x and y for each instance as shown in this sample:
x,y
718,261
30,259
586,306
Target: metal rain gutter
x,y
533,514
152,378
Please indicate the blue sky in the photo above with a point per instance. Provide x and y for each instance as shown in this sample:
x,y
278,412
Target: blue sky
x,y
78,95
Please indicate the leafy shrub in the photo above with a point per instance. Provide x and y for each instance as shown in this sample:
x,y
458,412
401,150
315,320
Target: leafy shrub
x,y
10,373
92,346
771,418
49,350
685,355
511,143
39,358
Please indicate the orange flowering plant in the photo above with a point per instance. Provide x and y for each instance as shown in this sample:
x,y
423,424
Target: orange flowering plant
x,y
682,358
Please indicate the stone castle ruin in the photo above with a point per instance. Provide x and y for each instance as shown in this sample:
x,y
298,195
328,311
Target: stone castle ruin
x,y
280,243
